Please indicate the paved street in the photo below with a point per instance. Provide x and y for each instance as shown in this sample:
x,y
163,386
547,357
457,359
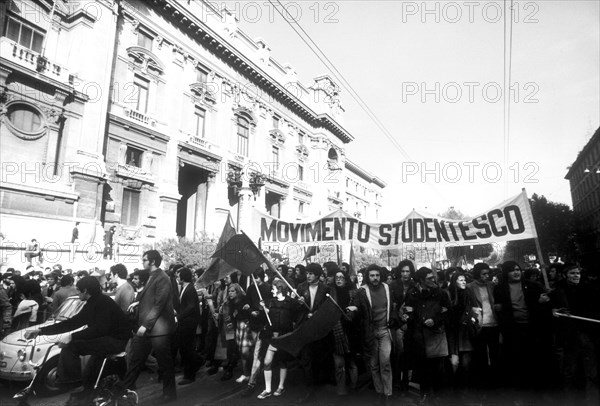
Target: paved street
x,y
210,390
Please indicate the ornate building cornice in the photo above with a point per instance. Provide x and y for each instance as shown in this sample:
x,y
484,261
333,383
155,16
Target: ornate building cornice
x,y
197,29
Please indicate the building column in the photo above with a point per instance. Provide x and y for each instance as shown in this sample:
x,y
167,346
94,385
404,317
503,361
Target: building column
x,y
244,208
200,212
211,204
167,218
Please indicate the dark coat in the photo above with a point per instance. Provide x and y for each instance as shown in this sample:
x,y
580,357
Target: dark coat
x,y
103,317
320,297
428,342
531,293
189,308
579,300
283,313
258,322
459,338
156,305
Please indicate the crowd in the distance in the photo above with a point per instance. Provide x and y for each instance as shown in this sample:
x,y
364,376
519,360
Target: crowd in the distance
x,y
460,335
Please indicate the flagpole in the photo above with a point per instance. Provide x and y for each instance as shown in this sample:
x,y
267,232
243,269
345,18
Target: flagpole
x,y
262,301
305,257
272,268
537,242
558,314
338,306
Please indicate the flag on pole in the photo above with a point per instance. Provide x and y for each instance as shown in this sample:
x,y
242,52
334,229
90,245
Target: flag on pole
x,y
310,252
218,268
241,253
313,329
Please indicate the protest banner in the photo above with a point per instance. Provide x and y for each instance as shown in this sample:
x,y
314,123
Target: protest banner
x,y
507,221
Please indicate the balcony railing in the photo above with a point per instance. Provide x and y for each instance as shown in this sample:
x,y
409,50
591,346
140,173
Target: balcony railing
x,y
27,58
140,117
134,172
200,142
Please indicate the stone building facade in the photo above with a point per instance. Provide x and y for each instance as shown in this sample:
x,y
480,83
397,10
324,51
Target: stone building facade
x,y
52,118
162,117
584,180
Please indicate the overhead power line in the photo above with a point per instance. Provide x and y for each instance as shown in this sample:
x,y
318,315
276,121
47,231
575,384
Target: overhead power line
x,y
507,78
340,77
327,62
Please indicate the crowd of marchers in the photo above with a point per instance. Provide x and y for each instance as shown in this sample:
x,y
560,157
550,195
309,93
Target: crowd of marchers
x,y
457,336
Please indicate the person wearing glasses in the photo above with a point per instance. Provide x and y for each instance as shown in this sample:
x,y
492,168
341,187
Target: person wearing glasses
x,y
156,326
425,310
520,305
346,336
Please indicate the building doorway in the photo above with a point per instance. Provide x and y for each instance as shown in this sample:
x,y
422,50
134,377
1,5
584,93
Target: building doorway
x,y
273,203
191,209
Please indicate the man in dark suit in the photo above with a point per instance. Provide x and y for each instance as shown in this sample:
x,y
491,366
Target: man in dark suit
x,y
188,318
314,356
156,321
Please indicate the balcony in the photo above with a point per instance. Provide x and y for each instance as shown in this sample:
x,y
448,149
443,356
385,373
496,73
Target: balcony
x,y
238,158
134,173
29,59
139,117
334,196
302,185
201,142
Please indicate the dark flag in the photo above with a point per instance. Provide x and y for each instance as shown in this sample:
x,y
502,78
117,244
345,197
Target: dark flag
x,y
218,268
311,251
313,329
241,253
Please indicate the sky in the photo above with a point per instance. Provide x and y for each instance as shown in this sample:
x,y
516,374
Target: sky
x,y
433,73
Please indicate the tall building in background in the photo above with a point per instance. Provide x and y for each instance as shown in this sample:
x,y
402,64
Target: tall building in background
x,y
165,117
584,179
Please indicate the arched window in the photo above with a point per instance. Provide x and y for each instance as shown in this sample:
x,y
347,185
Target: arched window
x,y
332,154
332,160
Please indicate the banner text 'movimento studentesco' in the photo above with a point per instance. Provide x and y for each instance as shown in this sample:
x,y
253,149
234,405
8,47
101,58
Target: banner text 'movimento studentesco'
x,y
507,221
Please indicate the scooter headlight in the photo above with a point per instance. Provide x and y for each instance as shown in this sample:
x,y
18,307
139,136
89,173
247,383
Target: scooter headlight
x,y
22,355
